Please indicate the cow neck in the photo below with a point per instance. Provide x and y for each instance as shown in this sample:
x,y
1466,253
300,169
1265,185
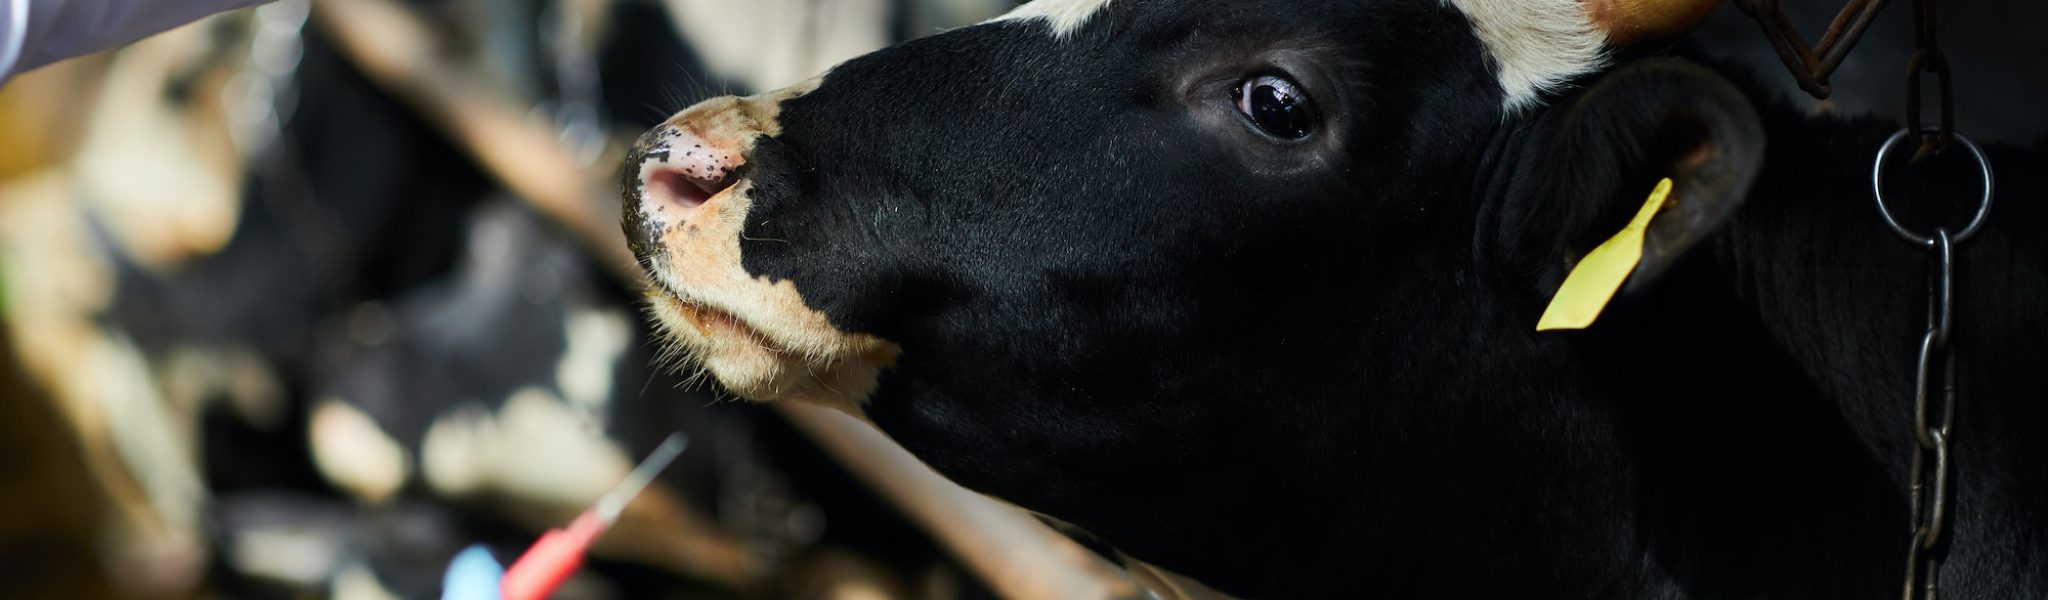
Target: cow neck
x,y
1760,391
1843,298
1838,292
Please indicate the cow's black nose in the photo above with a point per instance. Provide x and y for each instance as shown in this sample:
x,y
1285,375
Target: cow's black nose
x,y
679,171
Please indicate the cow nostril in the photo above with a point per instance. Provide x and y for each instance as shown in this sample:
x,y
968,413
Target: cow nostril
x,y
676,188
679,170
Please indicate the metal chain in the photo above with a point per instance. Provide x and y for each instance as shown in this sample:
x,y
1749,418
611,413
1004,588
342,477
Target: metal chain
x,y
1928,59
1930,491
1811,66
1934,379
1931,436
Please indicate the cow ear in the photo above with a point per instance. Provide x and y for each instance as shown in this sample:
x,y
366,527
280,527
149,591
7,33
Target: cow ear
x,y
1591,164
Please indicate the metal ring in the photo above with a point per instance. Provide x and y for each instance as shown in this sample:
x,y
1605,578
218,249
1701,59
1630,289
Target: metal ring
x,y
1877,189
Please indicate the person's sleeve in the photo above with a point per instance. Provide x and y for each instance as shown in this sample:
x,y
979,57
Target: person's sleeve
x,y
34,33
13,33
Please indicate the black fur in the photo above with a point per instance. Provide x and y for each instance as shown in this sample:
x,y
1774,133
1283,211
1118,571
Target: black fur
x,y
1310,370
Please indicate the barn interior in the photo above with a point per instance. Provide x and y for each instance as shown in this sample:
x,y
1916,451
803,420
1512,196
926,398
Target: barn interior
x,y
298,301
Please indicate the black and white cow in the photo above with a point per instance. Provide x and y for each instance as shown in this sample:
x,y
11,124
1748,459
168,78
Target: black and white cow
x,y
1249,289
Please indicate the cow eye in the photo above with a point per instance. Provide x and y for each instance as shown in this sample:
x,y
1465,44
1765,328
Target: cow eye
x,y
1276,105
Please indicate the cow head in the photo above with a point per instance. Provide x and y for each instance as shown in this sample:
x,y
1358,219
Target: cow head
x,y
1068,255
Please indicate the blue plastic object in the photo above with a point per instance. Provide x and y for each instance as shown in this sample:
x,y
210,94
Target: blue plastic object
x,y
473,575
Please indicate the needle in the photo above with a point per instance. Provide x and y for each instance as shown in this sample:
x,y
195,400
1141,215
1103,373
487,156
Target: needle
x,y
559,552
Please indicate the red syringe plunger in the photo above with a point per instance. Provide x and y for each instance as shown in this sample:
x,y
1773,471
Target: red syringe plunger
x,y
559,552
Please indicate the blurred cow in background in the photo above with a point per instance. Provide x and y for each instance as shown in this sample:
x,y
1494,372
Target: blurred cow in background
x,y
305,343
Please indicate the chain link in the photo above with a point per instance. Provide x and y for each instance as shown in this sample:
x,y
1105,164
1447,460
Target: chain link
x,y
1930,491
1928,59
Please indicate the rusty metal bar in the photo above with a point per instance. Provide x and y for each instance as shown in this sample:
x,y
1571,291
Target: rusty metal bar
x,y
1812,65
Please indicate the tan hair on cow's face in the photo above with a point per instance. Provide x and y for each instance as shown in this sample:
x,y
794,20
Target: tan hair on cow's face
x,y
756,335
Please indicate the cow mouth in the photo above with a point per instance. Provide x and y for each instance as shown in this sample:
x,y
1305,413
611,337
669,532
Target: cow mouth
x,y
750,361
712,322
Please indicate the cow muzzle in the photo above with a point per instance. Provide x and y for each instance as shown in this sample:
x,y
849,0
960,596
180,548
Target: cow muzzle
x,y
687,204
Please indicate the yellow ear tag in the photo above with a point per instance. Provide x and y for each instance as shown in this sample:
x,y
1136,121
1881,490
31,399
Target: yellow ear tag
x,y
1591,284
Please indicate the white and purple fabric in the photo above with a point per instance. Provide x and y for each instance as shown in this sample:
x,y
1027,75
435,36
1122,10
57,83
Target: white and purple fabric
x,y
34,33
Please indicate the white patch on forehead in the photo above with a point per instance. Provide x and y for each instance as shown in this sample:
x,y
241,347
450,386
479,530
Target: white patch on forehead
x,y
1538,44
1063,15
